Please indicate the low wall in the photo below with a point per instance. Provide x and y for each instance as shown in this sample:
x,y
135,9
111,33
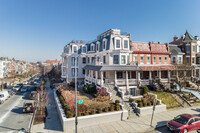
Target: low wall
x,y
68,124
148,110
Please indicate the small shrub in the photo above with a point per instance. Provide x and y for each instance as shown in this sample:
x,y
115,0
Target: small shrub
x,y
93,112
117,108
140,104
145,89
117,101
78,114
144,104
157,103
86,113
106,109
95,95
69,114
85,89
99,110
111,108
149,104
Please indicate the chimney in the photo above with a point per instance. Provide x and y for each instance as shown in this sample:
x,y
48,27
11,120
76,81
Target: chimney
x,y
159,42
196,38
175,38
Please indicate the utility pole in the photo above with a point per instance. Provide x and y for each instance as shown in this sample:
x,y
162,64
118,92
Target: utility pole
x,y
76,121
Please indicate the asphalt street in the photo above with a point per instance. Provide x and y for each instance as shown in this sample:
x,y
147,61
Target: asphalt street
x,y
11,116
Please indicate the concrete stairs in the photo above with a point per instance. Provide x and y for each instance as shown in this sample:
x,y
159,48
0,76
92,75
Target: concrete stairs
x,y
180,100
125,102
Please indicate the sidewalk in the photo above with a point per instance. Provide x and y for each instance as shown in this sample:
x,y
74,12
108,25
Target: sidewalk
x,y
52,124
140,124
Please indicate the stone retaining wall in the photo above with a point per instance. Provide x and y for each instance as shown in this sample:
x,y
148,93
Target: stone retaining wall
x,y
68,124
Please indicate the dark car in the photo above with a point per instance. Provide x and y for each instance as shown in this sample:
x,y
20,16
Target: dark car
x,y
184,123
28,107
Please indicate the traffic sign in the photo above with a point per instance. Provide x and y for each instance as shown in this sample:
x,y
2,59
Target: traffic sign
x,y
80,101
42,81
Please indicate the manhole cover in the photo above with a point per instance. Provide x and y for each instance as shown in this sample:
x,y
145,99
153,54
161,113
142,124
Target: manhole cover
x,y
19,121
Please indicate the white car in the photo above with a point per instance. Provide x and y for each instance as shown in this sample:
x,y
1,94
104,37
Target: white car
x,y
16,88
3,96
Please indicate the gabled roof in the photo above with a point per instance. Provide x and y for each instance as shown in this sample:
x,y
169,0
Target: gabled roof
x,y
188,37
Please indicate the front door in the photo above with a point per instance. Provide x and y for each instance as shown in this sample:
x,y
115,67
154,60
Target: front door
x,y
132,91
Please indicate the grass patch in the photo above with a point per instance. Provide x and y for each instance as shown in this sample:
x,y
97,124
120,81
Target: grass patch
x,y
167,99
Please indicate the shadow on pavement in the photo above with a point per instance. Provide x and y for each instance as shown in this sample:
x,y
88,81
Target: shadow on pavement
x,y
17,110
8,128
197,110
162,130
161,124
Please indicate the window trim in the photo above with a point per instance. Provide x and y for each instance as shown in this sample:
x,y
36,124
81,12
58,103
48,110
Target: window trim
x,y
124,60
126,39
85,49
114,59
159,59
141,60
154,59
105,42
118,38
76,49
149,59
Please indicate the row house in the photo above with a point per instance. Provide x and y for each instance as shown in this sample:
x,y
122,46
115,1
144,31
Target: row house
x,y
4,67
190,57
154,61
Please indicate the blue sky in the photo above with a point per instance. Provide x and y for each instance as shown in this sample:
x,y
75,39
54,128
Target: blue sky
x,y
36,30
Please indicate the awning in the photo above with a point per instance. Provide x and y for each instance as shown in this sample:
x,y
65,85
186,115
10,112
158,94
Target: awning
x,y
154,68
113,68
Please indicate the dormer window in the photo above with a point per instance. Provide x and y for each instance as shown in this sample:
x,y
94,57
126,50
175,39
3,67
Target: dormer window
x,y
104,43
117,43
75,49
84,49
125,43
92,47
97,45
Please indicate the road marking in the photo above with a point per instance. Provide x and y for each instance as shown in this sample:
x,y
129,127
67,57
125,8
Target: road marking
x,y
12,107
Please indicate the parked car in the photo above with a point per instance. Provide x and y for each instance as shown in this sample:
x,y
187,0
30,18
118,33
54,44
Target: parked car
x,y
33,95
28,107
184,123
3,96
16,88
25,82
20,84
24,89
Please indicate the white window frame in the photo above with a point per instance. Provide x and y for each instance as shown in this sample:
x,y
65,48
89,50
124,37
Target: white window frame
x,y
118,38
121,60
105,41
154,59
193,48
135,58
149,59
76,49
159,59
97,46
165,59
189,59
193,57
181,59
141,60
126,39
92,47
118,59
85,49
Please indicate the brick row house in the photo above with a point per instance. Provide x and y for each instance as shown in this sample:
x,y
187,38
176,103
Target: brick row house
x,y
114,61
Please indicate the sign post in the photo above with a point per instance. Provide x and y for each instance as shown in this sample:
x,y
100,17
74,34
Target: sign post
x,y
154,107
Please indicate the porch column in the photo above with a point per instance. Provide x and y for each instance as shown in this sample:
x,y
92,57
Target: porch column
x,y
127,84
115,78
101,79
96,72
169,76
150,77
192,73
195,73
199,73
159,74
177,74
92,74
138,77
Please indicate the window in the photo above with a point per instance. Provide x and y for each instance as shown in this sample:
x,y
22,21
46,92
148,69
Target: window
x,y
116,59
160,60
193,48
73,72
92,48
191,121
93,59
123,59
88,59
75,49
174,60
180,60
193,60
83,71
104,44
165,59
97,47
199,48
84,49
141,59
196,119
119,75
148,59
104,59
125,43
98,58
135,58
187,48
117,43
83,60
154,60
188,59
73,61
